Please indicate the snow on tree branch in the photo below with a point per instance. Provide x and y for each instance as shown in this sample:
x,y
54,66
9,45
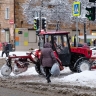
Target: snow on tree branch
x,y
61,10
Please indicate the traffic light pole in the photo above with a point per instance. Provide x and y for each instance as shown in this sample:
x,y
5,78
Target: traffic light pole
x,y
40,27
76,31
84,32
40,21
95,9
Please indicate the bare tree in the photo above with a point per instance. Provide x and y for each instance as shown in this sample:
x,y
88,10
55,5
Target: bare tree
x,y
60,10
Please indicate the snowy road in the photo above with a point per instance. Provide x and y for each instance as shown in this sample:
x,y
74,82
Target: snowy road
x,y
16,92
37,86
67,84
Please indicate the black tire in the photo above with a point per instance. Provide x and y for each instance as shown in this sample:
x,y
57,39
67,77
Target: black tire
x,y
72,69
83,66
37,68
40,70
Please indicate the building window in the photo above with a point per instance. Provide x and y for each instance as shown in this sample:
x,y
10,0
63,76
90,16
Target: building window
x,y
7,13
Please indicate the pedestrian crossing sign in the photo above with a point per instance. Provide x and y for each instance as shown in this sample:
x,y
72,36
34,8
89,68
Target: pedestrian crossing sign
x,y
76,9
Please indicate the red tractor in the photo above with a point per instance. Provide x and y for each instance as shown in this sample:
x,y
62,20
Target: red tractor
x,y
76,58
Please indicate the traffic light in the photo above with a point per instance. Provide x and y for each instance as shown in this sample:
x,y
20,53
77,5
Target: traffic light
x,y
92,0
91,13
36,23
44,23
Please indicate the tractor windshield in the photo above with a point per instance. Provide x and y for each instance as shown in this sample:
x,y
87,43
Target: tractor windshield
x,y
59,42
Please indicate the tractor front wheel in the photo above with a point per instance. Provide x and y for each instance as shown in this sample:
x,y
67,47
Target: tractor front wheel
x,y
83,66
6,70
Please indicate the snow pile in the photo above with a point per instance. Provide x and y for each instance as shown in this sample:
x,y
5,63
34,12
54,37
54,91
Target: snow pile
x,y
86,78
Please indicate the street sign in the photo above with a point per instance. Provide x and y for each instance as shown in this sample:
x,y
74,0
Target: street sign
x,y
11,21
76,9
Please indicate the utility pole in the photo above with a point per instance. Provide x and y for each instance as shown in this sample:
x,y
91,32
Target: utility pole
x,y
14,26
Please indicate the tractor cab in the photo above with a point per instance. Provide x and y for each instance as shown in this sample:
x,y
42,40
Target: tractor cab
x,y
60,44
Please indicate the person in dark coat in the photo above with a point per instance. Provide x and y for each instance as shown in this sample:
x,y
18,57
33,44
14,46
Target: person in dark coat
x,y
94,42
5,49
47,59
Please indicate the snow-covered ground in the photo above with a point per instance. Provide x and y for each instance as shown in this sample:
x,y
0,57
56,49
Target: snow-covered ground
x,y
86,78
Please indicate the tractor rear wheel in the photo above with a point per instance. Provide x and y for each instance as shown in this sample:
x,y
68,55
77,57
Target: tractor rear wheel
x,y
37,68
83,66
72,69
40,70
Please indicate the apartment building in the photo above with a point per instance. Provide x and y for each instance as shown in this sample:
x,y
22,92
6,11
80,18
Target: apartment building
x,y
13,26
6,20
